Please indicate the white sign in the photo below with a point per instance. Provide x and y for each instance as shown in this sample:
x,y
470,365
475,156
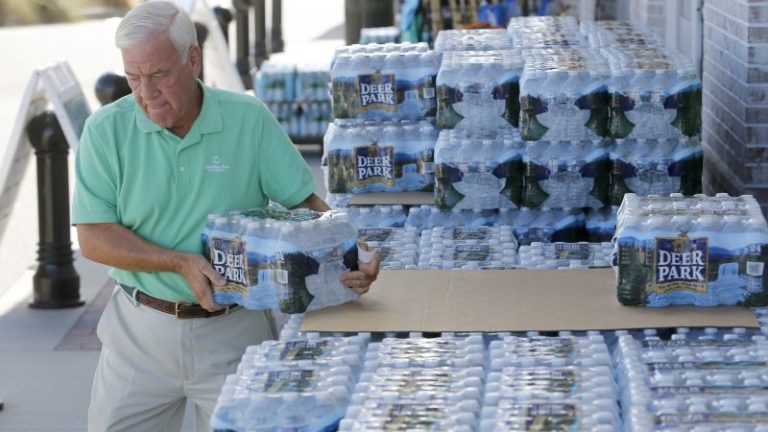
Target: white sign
x,y
54,85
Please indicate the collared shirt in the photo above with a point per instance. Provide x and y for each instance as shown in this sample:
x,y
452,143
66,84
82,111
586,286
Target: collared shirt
x,y
135,173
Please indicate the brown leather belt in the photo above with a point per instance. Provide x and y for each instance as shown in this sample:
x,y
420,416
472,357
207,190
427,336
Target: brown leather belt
x,y
181,310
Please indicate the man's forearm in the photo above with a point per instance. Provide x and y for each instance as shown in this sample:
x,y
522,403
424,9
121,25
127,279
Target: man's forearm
x,y
116,246
315,203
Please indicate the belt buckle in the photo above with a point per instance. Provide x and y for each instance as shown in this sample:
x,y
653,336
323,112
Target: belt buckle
x,y
177,308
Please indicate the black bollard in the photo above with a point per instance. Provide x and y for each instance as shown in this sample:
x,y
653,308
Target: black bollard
x,y
276,40
202,35
242,41
259,32
223,17
56,284
111,87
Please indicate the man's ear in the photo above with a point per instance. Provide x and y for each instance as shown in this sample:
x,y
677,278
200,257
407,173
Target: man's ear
x,y
196,60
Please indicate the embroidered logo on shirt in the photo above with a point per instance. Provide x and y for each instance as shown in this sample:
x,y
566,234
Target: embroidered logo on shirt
x,y
216,166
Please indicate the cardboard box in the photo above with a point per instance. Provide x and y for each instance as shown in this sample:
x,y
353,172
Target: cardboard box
x,y
507,300
392,198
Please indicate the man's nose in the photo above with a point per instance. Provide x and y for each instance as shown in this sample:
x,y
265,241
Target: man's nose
x,y
148,88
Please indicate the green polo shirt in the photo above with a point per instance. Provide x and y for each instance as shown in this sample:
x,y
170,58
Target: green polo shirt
x,y
135,173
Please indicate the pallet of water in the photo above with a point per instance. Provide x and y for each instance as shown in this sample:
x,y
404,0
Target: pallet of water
x,y
479,89
710,381
701,250
362,157
290,260
384,82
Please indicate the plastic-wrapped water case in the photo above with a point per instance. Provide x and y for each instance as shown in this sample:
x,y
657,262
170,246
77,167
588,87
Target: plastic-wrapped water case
x,y
703,251
549,383
377,216
576,415
656,167
276,82
566,175
379,35
479,89
607,33
564,95
379,157
472,40
548,225
391,84
444,351
545,32
548,351
601,224
325,351
468,248
290,260
565,255
655,93
478,169
397,247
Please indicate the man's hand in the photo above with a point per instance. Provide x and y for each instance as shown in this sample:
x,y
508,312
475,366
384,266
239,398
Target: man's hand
x,y
201,278
360,281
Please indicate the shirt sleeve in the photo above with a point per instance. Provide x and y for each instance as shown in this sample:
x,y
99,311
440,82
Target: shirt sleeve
x,y
285,176
95,197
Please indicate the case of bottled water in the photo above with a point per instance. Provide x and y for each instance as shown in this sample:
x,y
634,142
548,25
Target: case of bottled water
x,y
565,255
468,248
397,247
564,95
379,35
701,250
290,260
601,224
275,82
472,40
390,82
377,216
655,93
566,174
294,385
656,167
542,351
607,33
479,169
364,157
545,32
548,225
479,89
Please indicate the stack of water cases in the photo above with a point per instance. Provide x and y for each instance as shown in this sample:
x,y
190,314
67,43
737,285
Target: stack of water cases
x,y
703,251
297,96
379,35
550,383
290,260
711,381
478,169
468,248
419,384
472,40
297,384
565,255
545,32
385,156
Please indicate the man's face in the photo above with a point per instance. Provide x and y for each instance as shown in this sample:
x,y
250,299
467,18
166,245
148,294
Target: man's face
x,y
164,88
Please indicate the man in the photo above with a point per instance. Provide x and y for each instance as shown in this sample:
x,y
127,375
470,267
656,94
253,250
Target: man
x,y
150,168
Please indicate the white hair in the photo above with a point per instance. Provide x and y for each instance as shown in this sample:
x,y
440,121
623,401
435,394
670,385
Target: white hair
x,y
152,17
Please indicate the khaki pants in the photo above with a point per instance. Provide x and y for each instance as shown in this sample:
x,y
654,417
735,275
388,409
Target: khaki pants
x,y
151,363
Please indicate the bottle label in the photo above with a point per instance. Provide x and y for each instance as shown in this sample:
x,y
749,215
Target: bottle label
x,y
377,92
375,234
230,259
417,416
374,164
469,234
730,418
471,253
550,347
293,381
303,350
539,416
696,343
665,392
676,366
680,264
571,251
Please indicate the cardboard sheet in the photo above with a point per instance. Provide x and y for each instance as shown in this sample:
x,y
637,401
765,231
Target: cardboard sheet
x,y
508,300
392,198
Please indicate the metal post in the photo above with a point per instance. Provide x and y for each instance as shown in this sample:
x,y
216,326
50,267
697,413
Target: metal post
x,y
56,284
223,17
242,41
259,32
111,87
352,21
277,44
202,34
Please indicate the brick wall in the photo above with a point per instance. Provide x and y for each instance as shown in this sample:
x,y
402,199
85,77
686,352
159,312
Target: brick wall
x,y
735,113
650,12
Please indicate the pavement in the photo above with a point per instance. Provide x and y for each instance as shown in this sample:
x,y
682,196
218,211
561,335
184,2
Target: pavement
x,y
47,357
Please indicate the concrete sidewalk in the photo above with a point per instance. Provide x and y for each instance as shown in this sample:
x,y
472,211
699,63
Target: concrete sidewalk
x,y
47,357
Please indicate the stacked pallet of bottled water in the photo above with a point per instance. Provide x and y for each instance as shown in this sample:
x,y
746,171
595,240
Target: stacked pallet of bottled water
x,y
564,383
419,383
545,32
479,89
565,255
472,40
468,248
701,250
710,382
379,35
290,260
385,82
566,174
298,384
478,169
387,156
